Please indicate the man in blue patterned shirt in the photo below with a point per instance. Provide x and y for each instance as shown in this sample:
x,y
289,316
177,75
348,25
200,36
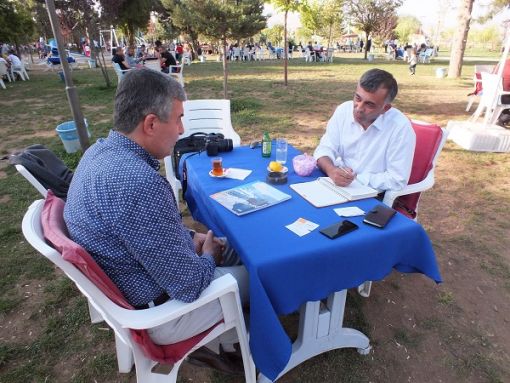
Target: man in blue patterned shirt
x,y
124,212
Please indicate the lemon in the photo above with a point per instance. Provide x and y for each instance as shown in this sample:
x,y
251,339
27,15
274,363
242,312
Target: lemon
x,y
275,166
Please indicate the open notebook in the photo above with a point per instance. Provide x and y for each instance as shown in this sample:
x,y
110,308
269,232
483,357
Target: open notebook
x,y
323,192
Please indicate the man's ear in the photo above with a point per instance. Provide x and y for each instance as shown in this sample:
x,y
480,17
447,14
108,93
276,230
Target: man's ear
x,y
386,107
148,124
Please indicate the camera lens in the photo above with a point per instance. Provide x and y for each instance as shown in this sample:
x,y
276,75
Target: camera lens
x,y
212,149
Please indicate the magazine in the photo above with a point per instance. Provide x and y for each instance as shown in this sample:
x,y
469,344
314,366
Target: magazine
x,y
250,197
323,192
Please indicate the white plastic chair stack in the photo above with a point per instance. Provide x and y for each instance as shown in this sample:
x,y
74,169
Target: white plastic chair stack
x,y
224,289
204,116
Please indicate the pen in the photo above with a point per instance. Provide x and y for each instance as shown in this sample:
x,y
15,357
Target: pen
x,y
346,172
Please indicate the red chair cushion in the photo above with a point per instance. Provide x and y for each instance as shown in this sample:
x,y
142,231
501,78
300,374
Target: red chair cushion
x,y
428,138
55,232
478,84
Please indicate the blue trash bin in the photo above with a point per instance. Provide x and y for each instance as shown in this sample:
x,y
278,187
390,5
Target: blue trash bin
x,y
69,135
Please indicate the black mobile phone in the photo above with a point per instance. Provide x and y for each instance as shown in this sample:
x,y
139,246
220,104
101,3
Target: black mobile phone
x,y
338,229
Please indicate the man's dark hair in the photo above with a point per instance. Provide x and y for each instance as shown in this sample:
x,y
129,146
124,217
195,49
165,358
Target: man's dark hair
x,y
377,78
142,92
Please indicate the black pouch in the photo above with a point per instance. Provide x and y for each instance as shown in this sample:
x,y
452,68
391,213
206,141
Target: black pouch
x,y
194,143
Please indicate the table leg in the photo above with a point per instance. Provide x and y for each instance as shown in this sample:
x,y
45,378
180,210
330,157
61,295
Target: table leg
x,y
320,330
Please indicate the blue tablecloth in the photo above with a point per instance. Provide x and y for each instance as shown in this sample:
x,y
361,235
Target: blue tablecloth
x,y
287,270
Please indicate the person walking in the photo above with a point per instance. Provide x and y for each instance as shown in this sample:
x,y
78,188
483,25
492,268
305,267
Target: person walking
x,y
413,61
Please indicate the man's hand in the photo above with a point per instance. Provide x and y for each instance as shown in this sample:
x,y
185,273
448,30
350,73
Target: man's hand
x,y
198,241
213,246
342,176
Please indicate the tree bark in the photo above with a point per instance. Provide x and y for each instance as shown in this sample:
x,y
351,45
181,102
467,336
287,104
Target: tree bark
x,y
459,41
285,49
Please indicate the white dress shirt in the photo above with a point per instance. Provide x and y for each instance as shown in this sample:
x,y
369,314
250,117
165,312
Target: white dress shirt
x,y
381,156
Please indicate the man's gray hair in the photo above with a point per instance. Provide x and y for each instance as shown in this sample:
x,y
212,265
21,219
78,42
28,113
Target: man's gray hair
x,y
377,78
142,92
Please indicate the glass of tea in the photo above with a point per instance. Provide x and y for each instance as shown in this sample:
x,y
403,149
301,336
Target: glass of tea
x,y
217,166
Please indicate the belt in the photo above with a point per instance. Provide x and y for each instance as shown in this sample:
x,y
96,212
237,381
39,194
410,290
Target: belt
x,y
156,302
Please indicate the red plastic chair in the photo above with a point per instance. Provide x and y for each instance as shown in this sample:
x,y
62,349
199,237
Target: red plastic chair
x,y
430,139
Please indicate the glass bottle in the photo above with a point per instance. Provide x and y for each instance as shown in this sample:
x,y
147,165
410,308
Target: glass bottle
x,y
266,145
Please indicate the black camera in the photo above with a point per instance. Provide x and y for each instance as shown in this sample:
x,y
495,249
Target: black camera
x,y
215,143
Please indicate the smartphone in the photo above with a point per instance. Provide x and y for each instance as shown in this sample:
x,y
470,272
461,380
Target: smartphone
x,y
338,229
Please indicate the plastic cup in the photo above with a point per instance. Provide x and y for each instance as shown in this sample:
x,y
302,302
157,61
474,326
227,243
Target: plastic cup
x,y
217,166
281,150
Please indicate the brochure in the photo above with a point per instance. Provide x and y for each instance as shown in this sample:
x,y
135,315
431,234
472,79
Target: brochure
x,y
250,197
323,192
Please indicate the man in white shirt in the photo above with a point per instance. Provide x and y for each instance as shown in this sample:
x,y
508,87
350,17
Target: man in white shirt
x,y
367,139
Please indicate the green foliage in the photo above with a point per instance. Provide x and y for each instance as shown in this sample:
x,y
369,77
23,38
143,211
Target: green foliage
x,y
224,20
370,16
407,25
16,23
274,34
488,37
321,17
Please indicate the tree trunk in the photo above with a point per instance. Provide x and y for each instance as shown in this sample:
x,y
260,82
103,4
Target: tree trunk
x,y
459,41
285,50
225,69
366,46
329,35
94,52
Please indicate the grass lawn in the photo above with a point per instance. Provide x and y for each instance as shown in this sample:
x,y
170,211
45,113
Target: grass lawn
x,y
457,331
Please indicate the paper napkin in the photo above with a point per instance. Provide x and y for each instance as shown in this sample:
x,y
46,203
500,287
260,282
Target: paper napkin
x,y
302,226
237,174
349,211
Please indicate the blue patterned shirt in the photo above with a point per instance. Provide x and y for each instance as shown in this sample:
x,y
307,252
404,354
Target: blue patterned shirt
x,y
124,213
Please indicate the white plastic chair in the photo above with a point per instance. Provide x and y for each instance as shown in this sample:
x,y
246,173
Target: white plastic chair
x,y
246,54
260,54
329,55
19,70
477,80
119,72
309,56
490,99
203,116
4,72
176,71
95,317
121,320
424,145
425,56
186,58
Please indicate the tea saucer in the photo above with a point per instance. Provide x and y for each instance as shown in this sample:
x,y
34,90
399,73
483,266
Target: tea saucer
x,y
284,170
225,172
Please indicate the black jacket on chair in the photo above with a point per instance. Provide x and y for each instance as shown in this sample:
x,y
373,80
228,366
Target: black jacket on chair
x,y
46,167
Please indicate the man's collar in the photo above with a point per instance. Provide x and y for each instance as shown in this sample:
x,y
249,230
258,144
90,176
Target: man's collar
x,y
378,123
125,142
